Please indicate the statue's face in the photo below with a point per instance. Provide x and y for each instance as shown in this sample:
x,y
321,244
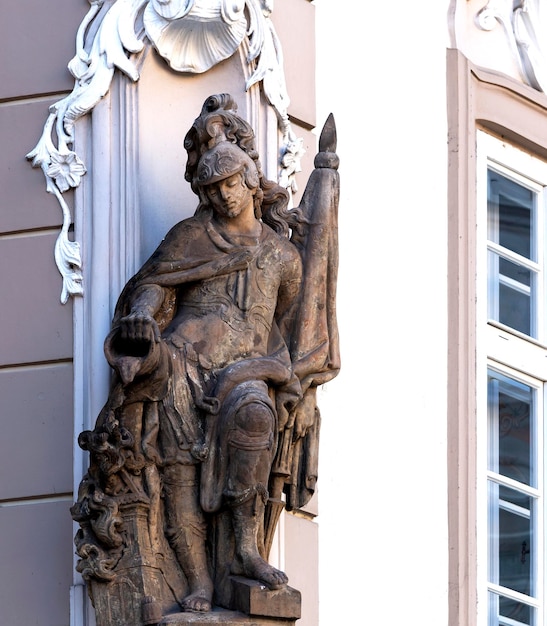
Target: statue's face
x,y
230,196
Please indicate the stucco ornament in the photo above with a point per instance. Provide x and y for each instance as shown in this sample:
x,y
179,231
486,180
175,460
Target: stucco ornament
x,y
62,169
521,22
66,169
193,36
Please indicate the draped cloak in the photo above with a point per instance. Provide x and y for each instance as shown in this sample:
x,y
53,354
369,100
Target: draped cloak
x,y
285,288
225,317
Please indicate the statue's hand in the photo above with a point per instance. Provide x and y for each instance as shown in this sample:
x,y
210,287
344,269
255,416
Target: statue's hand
x,y
284,404
304,415
283,414
133,347
139,327
303,420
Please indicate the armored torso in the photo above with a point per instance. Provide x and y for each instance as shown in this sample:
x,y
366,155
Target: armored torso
x,y
229,317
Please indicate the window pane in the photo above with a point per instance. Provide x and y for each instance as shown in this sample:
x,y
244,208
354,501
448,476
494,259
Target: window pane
x,y
514,569
510,522
512,286
511,215
512,513
507,612
511,294
510,431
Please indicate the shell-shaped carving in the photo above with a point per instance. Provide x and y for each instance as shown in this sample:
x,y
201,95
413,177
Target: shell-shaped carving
x,y
206,35
172,9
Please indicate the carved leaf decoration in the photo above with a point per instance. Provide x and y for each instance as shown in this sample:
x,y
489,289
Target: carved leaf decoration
x,y
128,38
269,68
81,101
531,53
68,260
290,162
39,155
523,28
193,35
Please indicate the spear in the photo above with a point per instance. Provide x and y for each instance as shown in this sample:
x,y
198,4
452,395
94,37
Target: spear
x,y
314,343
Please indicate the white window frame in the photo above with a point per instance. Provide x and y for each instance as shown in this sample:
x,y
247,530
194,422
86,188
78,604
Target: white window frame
x,y
536,492
536,261
509,352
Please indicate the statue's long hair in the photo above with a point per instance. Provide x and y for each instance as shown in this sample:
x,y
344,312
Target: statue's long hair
x,y
218,121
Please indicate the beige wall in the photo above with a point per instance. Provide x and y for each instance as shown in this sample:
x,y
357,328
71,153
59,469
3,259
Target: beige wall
x,y
36,42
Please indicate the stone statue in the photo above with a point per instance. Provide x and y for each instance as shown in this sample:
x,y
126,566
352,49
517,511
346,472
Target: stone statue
x,y
211,426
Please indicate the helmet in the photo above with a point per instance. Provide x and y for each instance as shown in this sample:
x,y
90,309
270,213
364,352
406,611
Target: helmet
x,y
223,160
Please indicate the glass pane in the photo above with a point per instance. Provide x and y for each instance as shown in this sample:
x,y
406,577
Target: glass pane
x,y
512,287
511,294
510,523
510,430
515,570
507,612
512,513
511,215
515,274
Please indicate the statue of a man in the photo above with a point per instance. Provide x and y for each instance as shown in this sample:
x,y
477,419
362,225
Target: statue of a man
x,y
204,349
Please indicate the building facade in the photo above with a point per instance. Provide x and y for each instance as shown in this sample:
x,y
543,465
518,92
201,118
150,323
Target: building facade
x,y
431,491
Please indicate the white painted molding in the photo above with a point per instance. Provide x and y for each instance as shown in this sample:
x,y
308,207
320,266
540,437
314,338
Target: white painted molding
x,y
193,36
523,27
107,214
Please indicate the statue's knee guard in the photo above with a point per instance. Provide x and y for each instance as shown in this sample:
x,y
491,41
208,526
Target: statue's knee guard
x,y
244,446
253,427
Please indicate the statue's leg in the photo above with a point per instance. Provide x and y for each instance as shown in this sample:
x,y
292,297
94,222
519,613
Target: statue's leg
x,y
249,462
186,532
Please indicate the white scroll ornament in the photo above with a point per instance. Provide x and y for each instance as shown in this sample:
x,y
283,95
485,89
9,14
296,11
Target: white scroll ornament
x,y
193,36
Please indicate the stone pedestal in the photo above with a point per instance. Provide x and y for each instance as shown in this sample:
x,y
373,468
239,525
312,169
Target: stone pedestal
x,y
222,617
139,594
255,606
252,598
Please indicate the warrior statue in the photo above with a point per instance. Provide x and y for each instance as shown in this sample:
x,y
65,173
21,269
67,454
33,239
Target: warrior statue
x,y
217,347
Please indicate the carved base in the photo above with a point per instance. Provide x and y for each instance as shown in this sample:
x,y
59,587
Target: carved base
x,y
252,598
253,605
131,599
140,593
222,617
121,604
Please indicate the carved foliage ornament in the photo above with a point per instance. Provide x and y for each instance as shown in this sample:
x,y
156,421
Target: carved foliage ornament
x,y
193,36
521,22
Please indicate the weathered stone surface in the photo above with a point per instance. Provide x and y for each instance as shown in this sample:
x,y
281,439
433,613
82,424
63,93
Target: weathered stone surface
x,y
211,425
253,598
222,617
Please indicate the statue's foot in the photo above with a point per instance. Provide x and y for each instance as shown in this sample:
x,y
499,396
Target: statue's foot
x,y
257,568
198,601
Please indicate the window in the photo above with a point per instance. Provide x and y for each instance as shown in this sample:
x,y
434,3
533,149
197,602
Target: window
x,y
514,499
511,188
514,266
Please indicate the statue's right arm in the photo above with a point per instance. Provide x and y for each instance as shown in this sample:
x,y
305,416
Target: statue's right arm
x,y
136,318
139,324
